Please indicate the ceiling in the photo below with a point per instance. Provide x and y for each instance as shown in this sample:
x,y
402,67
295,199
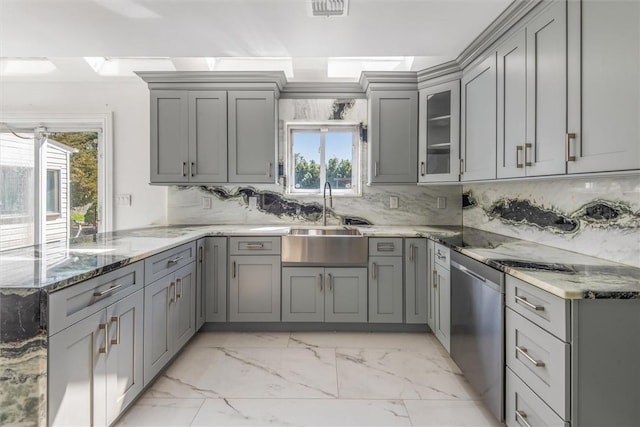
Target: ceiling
x,y
431,31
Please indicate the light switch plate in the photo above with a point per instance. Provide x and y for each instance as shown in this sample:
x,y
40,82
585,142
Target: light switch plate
x,y
123,200
253,202
393,202
441,202
206,203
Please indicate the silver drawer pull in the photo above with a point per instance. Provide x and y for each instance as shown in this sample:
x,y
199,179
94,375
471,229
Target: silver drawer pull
x,y
107,291
440,256
523,300
174,261
523,351
522,416
386,247
255,245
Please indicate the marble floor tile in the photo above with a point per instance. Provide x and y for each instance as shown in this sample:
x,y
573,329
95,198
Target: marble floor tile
x,y
393,340
240,339
250,373
449,413
302,412
398,374
161,412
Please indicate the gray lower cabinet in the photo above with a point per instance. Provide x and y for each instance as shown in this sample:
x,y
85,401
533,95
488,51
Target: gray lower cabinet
x,y
441,283
416,277
200,294
95,365
385,289
169,318
254,288
393,136
318,294
214,278
432,289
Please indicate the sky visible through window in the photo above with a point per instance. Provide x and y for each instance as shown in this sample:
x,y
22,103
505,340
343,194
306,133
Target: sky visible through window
x,y
337,144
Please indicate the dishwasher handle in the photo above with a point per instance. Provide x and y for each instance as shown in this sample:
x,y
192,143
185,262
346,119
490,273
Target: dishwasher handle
x,y
467,271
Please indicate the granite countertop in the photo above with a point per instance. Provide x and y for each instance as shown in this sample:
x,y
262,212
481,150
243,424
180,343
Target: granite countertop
x,y
563,273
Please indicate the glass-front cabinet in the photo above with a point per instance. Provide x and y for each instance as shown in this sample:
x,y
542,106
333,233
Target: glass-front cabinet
x,y
439,133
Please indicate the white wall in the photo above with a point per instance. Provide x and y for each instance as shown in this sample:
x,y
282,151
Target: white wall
x,y
129,102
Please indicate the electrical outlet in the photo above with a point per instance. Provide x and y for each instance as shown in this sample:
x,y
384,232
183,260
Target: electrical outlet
x,y
253,202
123,200
393,202
207,202
441,202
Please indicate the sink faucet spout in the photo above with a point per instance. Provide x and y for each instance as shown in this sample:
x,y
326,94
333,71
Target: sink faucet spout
x,y
324,202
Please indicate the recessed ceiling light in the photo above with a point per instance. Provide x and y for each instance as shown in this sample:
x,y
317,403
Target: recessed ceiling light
x,y
25,66
127,66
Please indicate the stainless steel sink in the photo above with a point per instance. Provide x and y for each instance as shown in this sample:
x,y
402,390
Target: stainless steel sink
x,y
324,247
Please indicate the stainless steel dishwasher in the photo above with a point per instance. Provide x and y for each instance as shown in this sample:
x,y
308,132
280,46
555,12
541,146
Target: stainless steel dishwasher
x,y
477,328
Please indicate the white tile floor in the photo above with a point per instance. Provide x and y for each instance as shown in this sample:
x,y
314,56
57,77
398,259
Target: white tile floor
x,y
310,379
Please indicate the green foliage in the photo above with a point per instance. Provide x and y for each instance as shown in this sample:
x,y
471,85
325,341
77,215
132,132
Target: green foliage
x,y
90,216
77,217
307,173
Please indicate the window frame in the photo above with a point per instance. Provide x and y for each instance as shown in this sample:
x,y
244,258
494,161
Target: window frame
x,y
323,128
57,193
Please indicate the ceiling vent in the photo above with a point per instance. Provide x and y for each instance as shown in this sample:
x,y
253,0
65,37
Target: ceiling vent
x,y
329,7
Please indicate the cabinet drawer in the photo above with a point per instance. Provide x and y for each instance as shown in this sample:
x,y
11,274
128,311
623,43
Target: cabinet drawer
x,y
540,360
169,261
442,255
522,403
254,245
385,246
74,303
542,308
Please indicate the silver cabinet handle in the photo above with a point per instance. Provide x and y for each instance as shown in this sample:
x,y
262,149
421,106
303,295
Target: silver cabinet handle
x,y
320,282
423,169
330,280
116,319
440,256
270,169
411,254
184,168
200,254
567,140
518,152
192,169
174,261
374,267
107,291
523,300
461,167
172,299
522,416
435,279
527,160
375,169
179,294
234,269
255,245
104,327
523,351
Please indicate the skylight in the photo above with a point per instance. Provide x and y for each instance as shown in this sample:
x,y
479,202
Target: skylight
x,y
351,67
25,66
126,66
252,64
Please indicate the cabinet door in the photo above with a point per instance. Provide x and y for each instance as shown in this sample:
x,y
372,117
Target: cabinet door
x,y
207,136
385,290
215,278
254,288
184,316
169,136
439,131
252,136
547,91
124,360
345,295
416,277
393,140
478,122
443,323
512,106
605,65
303,294
77,373
431,287
159,299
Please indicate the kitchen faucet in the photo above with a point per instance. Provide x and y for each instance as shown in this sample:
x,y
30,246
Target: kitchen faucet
x,y
324,202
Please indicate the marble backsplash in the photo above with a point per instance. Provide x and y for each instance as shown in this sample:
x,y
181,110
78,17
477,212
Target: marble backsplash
x,y
593,216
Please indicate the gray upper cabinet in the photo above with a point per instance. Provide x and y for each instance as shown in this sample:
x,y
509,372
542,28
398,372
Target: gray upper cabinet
x,y
604,61
252,136
207,136
385,289
416,278
169,136
393,137
439,133
532,97
478,122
